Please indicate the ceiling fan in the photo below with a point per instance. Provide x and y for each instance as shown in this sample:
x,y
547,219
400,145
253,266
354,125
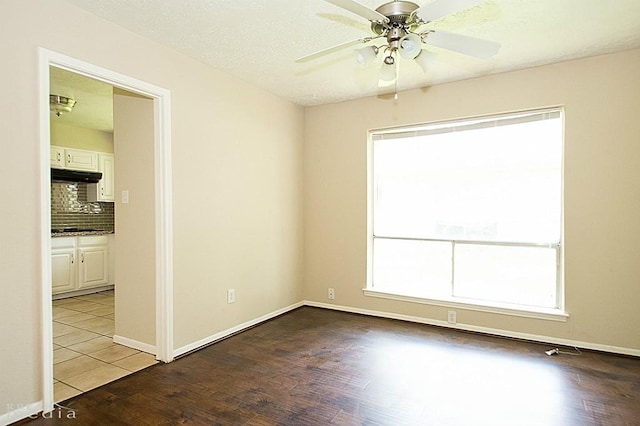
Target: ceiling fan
x,y
402,25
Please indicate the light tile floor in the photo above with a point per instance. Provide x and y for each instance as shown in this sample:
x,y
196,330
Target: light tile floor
x,y
84,355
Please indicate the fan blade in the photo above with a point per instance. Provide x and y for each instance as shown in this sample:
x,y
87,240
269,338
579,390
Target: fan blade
x,y
331,49
436,9
471,46
359,9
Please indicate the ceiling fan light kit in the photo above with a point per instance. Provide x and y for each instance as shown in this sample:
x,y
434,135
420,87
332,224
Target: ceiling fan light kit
x,y
403,24
388,72
425,59
366,55
410,46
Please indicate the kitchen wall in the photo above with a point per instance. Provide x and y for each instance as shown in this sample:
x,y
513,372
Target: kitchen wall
x,y
601,96
237,186
68,135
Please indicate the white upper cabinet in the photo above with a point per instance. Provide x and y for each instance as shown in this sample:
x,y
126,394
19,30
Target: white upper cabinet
x,y
105,189
57,157
79,159
74,159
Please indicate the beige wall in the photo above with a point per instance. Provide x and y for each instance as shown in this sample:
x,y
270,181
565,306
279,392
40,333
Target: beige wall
x,y
601,189
135,263
237,184
238,156
71,136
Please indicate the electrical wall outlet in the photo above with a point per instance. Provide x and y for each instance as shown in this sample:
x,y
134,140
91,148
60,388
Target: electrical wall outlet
x,y
451,317
231,295
331,294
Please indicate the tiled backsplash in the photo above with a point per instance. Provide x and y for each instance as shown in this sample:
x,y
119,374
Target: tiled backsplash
x,y
70,208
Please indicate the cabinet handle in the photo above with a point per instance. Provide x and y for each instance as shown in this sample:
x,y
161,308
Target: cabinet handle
x,y
59,157
82,258
68,158
72,258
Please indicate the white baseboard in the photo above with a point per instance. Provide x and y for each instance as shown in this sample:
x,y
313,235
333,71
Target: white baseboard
x,y
486,330
141,346
82,292
226,333
20,412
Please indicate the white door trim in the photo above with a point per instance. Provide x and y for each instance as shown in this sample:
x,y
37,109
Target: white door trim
x,y
163,207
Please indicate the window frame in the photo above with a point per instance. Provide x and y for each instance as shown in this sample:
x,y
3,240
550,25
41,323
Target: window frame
x,y
555,314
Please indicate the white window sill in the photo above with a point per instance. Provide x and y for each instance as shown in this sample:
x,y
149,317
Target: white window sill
x,y
472,305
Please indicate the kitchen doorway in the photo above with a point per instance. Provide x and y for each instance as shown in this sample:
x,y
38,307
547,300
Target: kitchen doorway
x,y
86,351
160,290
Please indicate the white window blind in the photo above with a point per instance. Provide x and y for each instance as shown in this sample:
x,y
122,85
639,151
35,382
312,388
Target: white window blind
x,y
470,209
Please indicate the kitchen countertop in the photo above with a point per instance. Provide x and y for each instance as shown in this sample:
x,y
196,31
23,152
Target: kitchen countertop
x,y
80,233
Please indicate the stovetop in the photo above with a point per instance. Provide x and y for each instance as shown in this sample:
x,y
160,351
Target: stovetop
x,y
71,231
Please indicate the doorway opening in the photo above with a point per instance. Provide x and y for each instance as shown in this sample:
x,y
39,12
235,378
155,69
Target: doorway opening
x,y
87,352
159,289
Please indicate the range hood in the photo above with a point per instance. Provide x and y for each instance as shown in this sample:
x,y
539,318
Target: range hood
x,y
75,176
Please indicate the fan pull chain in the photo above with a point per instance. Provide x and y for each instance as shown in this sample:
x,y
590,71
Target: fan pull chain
x,y
395,89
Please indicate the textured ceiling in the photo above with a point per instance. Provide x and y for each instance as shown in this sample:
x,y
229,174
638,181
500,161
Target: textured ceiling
x,y
258,41
94,100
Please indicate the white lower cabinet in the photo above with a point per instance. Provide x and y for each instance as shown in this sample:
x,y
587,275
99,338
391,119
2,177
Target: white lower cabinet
x,y
79,263
93,269
63,268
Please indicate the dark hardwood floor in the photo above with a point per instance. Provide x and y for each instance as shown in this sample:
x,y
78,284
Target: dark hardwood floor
x,y
318,367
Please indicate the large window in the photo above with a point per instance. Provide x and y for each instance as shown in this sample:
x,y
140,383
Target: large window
x,y
470,211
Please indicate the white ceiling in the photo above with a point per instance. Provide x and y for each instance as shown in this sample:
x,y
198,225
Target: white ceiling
x,y
258,40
